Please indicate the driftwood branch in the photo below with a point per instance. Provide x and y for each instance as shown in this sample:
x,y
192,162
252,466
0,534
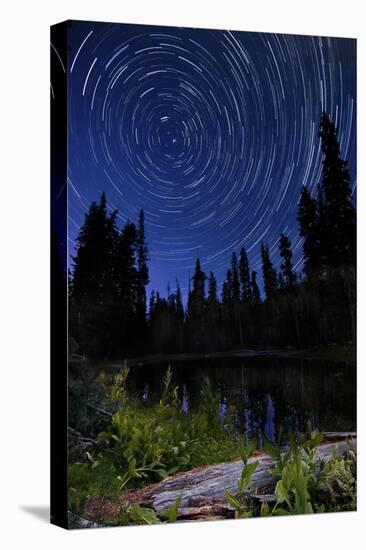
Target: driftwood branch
x,y
202,489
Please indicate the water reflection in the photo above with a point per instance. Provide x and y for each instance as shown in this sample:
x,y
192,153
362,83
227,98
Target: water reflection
x,y
185,400
269,428
260,395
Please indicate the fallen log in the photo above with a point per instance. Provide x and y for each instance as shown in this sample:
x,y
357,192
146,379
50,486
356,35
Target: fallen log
x,y
202,489
77,522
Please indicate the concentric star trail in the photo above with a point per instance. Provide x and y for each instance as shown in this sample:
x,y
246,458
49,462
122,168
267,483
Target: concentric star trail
x,y
212,133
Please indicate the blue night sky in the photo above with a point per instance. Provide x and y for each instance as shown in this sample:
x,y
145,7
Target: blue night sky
x,y
212,133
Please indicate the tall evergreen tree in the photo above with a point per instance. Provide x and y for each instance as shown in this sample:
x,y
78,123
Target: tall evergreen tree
x,y
269,273
93,262
212,300
235,279
246,291
179,303
227,290
125,269
228,309
93,288
256,297
236,298
338,216
197,306
179,316
151,305
308,218
287,272
212,313
198,290
142,270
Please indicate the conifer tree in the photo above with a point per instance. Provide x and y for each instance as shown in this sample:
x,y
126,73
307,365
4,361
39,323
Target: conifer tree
x,y
198,291
93,288
212,299
235,284
227,290
179,303
93,261
338,217
269,273
246,291
287,274
197,306
236,298
256,297
151,305
142,270
308,218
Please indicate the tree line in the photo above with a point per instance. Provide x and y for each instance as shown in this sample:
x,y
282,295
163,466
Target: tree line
x,y
110,316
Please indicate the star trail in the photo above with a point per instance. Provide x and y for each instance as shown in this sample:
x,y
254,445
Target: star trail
x,y
212,133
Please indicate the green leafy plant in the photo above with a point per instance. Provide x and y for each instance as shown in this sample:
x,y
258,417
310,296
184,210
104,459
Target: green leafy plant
x,y
134,514
209,402
305,483
240,502
171,514
169,396
292,489
118,390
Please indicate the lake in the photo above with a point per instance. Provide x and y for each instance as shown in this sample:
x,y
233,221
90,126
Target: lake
x,y
261,394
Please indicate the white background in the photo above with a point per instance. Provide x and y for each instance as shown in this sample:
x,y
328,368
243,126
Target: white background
x,y
24,302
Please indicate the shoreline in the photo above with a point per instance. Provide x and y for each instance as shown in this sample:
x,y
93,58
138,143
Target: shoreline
x,y
336,354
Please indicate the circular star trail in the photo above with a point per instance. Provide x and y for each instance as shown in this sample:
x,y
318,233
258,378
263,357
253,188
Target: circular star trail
x,y
212,133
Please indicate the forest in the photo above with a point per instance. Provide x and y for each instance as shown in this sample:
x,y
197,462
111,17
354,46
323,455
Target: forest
x,y
111,316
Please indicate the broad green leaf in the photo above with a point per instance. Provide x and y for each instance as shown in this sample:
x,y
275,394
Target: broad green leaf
x,y
231,499
264,509
271,450
281,512
171,513
246,476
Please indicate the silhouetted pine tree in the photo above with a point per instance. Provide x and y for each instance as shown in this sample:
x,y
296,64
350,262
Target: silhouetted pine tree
x,y
246,290
179,317
308,218
235,279
269,273
238,337
142,270
179,303
126,323
227,291
197,307
287,273
125,268
93,261
337,216
93,289
228,309
151,306
212,300
280,281
212,314
256,297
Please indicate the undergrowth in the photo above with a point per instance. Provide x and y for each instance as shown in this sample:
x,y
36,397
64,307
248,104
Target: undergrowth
x,y
141,444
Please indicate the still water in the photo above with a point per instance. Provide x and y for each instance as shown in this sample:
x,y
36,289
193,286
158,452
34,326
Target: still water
x,y
261,394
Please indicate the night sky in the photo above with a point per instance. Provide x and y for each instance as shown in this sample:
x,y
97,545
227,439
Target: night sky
x,y
212,133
